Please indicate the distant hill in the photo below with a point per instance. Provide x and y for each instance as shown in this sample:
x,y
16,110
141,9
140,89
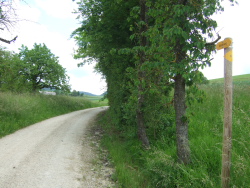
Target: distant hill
x,y
238,78
87,93
91,94
104,93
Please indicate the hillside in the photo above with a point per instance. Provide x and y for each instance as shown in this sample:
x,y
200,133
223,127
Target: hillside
x,y
236,79
91,94
21,110
87,93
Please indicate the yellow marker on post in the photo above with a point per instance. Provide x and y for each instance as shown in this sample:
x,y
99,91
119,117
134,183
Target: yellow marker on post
x,y
224,44
229,56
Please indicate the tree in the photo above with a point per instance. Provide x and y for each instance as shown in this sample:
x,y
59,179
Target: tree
x,y
105,37
139,45
75,93
10,79
104,31
141,77
178,38
7,18
41,68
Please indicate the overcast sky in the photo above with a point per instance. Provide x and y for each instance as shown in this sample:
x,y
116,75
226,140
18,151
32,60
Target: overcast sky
x,y
233,23
52,22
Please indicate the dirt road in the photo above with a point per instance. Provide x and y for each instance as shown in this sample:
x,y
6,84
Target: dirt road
x,y
49,154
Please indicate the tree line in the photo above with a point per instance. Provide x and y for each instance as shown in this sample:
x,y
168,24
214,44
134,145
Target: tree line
x,y
151,53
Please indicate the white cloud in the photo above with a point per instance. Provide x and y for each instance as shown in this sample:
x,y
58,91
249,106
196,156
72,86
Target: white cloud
x,y
85,77
93,83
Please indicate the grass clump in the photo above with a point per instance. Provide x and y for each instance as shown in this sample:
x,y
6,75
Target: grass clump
x,y
20,110
158,167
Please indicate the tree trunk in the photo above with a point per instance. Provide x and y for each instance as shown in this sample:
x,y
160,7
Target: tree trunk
x,y
141,75
140,118
183,150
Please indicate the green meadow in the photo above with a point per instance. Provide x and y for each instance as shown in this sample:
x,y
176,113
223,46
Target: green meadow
x,y
21,110
236,79
157,167
97,99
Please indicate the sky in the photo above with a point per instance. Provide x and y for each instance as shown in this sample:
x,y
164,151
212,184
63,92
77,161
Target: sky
x,y
51,22
232,23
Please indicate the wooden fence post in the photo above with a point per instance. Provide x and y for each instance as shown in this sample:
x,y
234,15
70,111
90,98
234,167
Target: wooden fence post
x,y
227,131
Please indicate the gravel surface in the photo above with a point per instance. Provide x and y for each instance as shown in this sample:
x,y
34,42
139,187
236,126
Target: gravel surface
x,y
54,153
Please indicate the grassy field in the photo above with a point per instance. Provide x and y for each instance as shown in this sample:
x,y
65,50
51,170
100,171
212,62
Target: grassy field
x,y
236,79
97,99
20,110
157,167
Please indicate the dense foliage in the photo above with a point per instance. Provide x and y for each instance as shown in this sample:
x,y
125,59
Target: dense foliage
x,y
8,18
42,68
99,38
158,168
9,72
150,53
32,70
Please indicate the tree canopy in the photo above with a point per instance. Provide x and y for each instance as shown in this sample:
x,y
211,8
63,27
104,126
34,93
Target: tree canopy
x,y
32,70
41,68
9,72
145,49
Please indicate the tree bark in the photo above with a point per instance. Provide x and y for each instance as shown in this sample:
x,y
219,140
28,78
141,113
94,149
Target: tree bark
x,y
183,150
140,118
141,75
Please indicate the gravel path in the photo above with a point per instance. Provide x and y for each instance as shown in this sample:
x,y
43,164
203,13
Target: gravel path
x,y
54,153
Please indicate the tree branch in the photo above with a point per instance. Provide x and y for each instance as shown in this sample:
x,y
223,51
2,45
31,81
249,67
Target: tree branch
x,y
8,41
213,43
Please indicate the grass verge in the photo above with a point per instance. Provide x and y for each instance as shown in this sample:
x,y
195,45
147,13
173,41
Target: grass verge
x,y
125,154
157,167
20,110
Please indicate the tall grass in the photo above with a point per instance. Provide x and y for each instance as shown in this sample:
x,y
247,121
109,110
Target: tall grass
x,y
157,167
124,153
20,110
